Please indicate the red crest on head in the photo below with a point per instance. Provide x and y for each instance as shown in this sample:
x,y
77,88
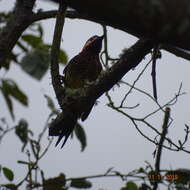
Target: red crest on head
x,y
90,41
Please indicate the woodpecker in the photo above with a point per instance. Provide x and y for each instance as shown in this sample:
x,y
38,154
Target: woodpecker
x,y
81,70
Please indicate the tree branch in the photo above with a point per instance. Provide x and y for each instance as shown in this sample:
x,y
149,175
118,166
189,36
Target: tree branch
x,y
73,14
160,145
163,21
18,22
55,51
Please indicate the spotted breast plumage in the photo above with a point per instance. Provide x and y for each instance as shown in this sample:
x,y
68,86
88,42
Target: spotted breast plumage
x,y
81,70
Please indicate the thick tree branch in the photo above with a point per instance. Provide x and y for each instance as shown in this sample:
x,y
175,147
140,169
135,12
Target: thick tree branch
x,y
165,21
18,22
134,18
55,51
72,14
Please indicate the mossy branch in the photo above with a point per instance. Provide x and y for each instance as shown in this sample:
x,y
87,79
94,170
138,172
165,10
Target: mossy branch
x,y
60,20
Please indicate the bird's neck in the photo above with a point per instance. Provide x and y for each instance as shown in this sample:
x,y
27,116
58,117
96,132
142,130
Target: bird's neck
x,y
91,52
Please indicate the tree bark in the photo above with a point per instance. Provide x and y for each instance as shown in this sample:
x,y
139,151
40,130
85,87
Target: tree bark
x,y
165,21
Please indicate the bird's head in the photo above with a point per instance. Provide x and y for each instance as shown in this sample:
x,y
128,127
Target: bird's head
x,y
94,44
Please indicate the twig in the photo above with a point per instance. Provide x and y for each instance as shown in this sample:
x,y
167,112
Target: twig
x,y
133,85
105,52
154,58
160,145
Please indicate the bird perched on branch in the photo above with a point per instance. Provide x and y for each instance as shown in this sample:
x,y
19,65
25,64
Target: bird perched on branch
x,y
81,70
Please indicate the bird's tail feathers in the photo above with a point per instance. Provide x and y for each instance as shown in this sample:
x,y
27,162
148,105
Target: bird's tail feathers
x,y
62,126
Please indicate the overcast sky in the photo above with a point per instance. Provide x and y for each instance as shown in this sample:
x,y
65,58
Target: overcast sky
x,y
112,139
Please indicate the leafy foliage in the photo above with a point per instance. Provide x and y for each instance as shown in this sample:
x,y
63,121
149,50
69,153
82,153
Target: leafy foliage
x,y
56,183
51,105
10,89
8,173
22,131
81,183
36,63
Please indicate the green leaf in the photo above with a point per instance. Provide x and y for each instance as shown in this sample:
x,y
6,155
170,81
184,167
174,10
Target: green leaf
x,y
10,186
36,63
21,131
63,58
123,188
81,183
32,40
12,89
56,183
81,136
8,173
131,186
8,102
51,105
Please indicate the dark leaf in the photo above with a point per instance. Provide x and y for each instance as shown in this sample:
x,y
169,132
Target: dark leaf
x,y
36,63
10,186
11,89
81,136
56,183
8,173
81,183
141,170
50,104
131,186
123,188
21,131
8,102
32,40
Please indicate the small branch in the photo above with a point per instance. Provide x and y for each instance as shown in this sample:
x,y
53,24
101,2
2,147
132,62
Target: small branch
x,y
116,174
55,51
177,51
160,145
154,58
133,85
105,47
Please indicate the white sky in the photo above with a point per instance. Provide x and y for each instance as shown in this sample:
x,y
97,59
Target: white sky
x,y
112,139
